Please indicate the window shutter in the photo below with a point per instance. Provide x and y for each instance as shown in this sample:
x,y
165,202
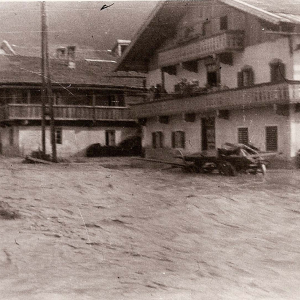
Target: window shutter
x,y
251,77
153,139
173,139
271,138
240,79
243,137
273,73
282,71
161,139
183,139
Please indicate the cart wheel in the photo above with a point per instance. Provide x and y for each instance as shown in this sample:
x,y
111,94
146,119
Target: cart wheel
x,y
263,169
208,168
227,169
190,169
222,168
231,170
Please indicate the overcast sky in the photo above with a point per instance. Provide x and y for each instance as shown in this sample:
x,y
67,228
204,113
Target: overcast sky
x,y
81,23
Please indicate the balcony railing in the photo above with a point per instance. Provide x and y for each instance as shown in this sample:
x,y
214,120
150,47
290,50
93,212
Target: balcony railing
x,y
228,41
259,95
65,112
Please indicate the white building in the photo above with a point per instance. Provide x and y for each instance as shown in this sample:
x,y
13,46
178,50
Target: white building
x,y
227,71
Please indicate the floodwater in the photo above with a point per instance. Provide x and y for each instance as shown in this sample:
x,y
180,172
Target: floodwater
x,y
120,229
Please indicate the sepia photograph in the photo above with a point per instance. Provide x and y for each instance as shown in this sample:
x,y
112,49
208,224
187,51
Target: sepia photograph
x,y
150,150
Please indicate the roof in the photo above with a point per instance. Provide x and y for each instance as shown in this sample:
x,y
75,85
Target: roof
x,y
161,24
274,11
23,69
80,52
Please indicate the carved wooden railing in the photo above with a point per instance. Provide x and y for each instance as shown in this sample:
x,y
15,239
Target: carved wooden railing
x,y
65,112
227,41
259,95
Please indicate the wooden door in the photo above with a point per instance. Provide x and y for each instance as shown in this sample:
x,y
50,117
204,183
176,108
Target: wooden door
x,y
208,134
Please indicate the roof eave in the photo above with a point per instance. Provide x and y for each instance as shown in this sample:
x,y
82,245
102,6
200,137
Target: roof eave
x,y
258,12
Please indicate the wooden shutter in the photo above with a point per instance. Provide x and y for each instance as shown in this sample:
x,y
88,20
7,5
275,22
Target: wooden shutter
x,y
282,71
240,79
243,136
173,139
271,138
182,139
153,139
161,139
251,76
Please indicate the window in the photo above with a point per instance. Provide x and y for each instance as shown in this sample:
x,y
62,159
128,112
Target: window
x,y
157,139
246,77
277,69
271,138
243,136
190,117
163,119
110,137
58,136
123,48
178,139
213,75
224,23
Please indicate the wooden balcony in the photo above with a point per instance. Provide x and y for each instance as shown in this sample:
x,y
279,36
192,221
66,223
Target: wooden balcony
x,y
65,113
259,95
226,42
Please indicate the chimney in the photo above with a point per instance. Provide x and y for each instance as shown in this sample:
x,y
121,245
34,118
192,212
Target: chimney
x,y
71,56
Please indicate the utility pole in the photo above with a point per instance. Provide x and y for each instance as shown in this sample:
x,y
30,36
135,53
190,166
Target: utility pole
x,y
48,84
43,90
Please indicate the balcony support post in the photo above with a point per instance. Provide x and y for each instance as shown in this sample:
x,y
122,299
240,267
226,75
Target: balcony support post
x,y
28,96
218,68
162,79
94,108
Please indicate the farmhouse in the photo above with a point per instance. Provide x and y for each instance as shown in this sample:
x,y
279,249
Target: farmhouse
x,y
219,71
91,103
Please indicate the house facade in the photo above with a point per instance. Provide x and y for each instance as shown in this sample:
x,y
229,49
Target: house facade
x,y
219,71
91,103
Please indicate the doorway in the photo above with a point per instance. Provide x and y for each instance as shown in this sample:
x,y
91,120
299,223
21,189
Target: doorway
x,y
208,133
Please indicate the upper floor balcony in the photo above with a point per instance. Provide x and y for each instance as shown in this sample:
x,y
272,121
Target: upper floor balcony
x,y
11,112
228,41
238,98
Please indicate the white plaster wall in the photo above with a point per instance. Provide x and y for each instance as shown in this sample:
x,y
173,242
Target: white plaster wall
x,y
257,56
296,57
176,123
256,120
7,148
295,131
227,130
153,78
74,139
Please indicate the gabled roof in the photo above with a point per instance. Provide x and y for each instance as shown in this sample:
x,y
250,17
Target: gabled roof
x,y
161,24
23,70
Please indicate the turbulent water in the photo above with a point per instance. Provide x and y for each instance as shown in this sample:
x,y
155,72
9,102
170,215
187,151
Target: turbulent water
x,y
117,230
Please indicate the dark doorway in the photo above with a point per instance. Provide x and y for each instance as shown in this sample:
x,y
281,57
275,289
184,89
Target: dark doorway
x,y
212,78
208,134
213,75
